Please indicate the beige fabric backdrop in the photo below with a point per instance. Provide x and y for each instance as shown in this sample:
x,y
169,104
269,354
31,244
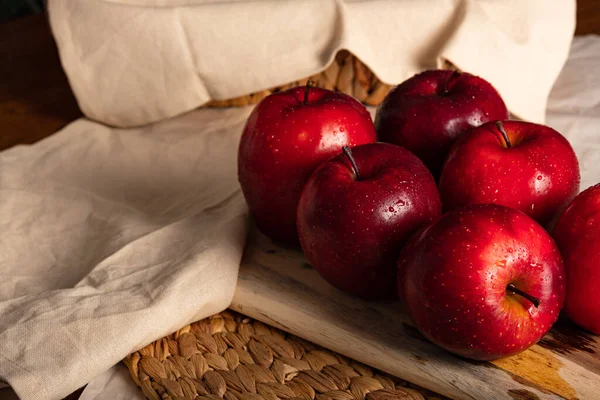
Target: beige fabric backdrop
x,y
131,62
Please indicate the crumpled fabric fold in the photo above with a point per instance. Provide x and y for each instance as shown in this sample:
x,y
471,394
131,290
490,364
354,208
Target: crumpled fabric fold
x,y
111,239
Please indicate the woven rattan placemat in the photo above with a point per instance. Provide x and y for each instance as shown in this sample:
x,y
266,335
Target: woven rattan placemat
x,y
229,356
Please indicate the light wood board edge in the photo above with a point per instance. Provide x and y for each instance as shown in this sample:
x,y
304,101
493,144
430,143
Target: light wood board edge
x,y
277,286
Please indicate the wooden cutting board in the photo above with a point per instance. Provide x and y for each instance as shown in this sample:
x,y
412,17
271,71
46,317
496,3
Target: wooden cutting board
x,y
277,286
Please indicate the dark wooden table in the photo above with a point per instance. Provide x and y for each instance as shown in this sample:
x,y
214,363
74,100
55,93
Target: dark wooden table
x,y
36,100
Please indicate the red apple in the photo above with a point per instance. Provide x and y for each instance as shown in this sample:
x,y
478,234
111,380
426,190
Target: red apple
x,y
357,210
428,112
577,234
287,136
483,282
525,166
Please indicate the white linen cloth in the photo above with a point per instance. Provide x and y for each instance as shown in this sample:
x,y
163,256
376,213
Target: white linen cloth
x,y
110,240
131,62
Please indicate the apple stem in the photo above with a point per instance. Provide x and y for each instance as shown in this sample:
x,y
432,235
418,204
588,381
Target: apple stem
x,y
513,289
348,154
309,83
500,127
452,76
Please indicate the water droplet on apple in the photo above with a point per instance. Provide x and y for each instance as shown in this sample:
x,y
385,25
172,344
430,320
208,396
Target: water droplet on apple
x,y
591,221
400,203
391,209
539,177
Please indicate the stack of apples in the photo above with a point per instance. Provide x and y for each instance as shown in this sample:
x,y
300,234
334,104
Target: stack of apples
x,y
443,202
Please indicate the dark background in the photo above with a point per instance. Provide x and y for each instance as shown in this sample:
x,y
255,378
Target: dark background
x,y
10,9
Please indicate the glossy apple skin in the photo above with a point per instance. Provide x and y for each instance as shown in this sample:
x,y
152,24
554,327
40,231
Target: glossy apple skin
x,y
352,230
538,175
454,274
428,112
284,141
577,234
